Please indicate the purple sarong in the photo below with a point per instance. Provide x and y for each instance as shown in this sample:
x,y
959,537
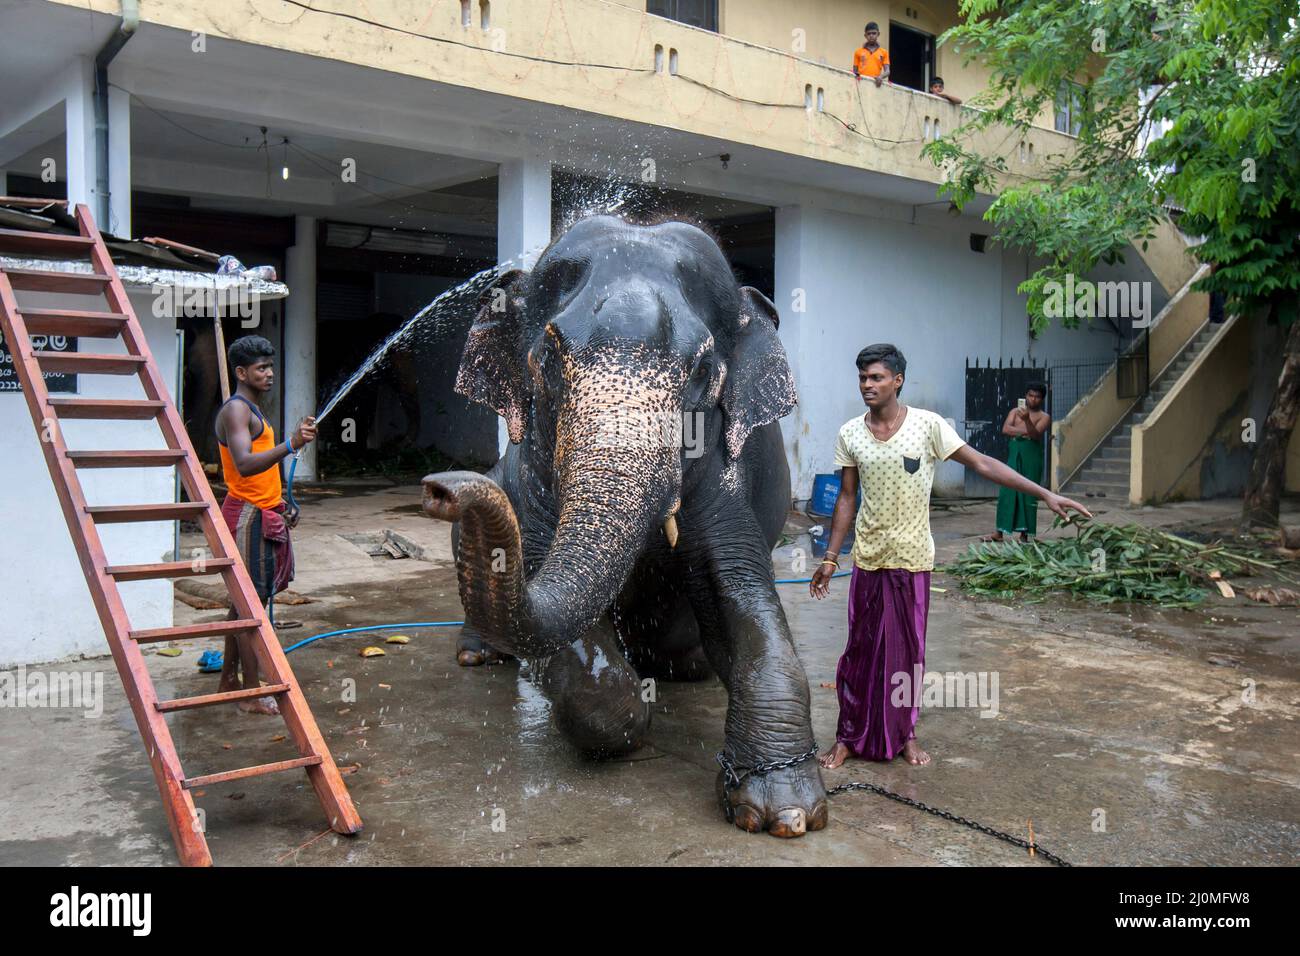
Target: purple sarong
x,y
887,615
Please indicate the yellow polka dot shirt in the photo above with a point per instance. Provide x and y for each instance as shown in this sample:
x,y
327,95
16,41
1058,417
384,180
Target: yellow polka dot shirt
x,y
893,524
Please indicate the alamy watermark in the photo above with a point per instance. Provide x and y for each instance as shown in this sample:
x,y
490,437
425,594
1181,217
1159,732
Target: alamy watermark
x,y
77,690
232,301
1083,299
931,689
622,428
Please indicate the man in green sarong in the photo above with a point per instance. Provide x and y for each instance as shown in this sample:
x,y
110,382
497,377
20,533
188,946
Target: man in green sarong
x,y
1026,425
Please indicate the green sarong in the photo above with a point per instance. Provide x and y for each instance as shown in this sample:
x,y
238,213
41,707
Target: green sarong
x,y
1018,511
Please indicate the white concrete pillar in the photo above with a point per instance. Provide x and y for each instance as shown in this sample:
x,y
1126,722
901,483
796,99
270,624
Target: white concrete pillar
x,y
298,364
119,163
523,223
79,164
793,264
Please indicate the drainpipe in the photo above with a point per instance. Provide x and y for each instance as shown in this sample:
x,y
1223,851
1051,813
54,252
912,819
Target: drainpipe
x,y
125,30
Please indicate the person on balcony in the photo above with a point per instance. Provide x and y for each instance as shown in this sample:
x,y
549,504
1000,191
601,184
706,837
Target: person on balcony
x,y
936,89
871,59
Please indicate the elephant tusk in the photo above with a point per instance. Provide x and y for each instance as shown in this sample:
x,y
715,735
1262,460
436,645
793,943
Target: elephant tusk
x,y
670,530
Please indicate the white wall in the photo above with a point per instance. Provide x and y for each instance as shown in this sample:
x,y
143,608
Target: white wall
x,y
921,287
45,608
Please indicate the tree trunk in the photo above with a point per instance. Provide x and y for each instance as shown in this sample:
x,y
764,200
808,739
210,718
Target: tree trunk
x,y
1268,470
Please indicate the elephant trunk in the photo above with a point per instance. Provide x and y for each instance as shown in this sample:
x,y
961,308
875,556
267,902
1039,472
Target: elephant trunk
x,y
614,493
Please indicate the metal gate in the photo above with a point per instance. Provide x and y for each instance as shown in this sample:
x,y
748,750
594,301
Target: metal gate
x,y
991,392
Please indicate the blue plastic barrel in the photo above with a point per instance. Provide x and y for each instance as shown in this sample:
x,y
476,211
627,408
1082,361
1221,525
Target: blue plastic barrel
x,y
826,488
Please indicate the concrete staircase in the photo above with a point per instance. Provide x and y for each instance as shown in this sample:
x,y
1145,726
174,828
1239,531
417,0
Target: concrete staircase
x,y
1105,473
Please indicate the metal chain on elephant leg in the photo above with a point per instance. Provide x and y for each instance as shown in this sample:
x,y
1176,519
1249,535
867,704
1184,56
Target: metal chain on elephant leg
x,y
733,775
1006,837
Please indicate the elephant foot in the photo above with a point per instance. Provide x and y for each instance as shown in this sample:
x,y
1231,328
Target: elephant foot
x,y
596,697
786,803
472,651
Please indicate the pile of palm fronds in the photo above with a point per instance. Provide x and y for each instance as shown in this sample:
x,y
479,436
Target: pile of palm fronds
x,y
1109,563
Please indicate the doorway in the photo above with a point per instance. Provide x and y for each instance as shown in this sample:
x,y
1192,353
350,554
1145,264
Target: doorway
x,y
911,57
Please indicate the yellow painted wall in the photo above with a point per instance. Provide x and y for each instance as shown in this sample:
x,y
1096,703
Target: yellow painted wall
x,y
1078,433
1075,436
1169,445
577,31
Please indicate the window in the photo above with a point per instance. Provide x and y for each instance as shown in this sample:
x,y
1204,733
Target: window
x,y
1069,108
911,57
695,13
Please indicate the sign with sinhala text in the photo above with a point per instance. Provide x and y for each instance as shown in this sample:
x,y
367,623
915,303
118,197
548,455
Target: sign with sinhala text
x,y
54,381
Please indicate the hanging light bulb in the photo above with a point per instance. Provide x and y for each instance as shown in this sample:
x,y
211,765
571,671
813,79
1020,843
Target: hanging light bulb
x,y
284,170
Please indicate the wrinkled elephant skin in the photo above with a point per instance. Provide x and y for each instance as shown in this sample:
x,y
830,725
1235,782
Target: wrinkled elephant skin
x,y
626,534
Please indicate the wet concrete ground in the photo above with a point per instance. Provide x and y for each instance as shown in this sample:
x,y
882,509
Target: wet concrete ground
x,y
1122,734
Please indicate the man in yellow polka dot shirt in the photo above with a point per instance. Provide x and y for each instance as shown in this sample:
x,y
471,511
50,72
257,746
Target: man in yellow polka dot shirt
x,y
892,451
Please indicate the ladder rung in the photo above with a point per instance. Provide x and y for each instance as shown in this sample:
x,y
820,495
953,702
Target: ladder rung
x,y
20,240
190,783
152,458
74,324
89,363
191,632
40,280
224,697
167,569
171,511
108,408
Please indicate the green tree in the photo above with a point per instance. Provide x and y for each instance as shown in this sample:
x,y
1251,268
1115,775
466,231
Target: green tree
x,y
1194,103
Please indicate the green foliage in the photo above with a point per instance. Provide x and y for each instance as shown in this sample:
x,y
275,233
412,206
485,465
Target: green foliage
x,y
1105,563
1189,102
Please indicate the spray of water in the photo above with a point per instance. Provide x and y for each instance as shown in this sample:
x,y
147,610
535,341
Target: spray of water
x,y
608,198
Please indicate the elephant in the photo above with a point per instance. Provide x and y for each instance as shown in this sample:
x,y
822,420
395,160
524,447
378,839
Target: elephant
x,y
606,551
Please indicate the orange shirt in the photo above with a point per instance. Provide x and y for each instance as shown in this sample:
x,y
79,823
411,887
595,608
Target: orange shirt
x,y
870,62
262,490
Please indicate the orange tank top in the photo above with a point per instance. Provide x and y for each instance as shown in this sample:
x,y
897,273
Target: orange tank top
x,y
262,490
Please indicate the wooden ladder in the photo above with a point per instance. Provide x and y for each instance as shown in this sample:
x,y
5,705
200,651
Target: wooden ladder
x,y
19,324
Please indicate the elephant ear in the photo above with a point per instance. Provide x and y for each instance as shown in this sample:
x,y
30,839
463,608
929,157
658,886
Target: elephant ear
x,y
491,366
759,388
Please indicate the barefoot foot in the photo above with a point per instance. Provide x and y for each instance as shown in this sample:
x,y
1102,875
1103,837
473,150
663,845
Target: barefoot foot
x,y
995,536
260,705
834,757
914,755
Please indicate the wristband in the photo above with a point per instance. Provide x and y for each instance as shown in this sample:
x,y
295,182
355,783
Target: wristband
x,y
289,441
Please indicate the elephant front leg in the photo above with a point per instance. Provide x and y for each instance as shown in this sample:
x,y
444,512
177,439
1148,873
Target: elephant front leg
x,y
770,779
596,695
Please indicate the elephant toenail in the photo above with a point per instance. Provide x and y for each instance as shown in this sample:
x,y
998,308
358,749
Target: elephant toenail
x,y
790,822
819,817
748,818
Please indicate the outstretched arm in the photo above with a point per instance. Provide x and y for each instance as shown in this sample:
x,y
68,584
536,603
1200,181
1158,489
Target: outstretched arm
x,y
232,425
995,471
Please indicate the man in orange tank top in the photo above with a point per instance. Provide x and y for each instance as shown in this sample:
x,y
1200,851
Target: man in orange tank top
x,y
253,508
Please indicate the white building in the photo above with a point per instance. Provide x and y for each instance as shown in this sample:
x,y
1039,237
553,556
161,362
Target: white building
x,y
379,157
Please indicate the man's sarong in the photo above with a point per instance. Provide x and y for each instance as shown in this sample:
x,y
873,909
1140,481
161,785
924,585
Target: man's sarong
x,y
887,616
262,537
1018,511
